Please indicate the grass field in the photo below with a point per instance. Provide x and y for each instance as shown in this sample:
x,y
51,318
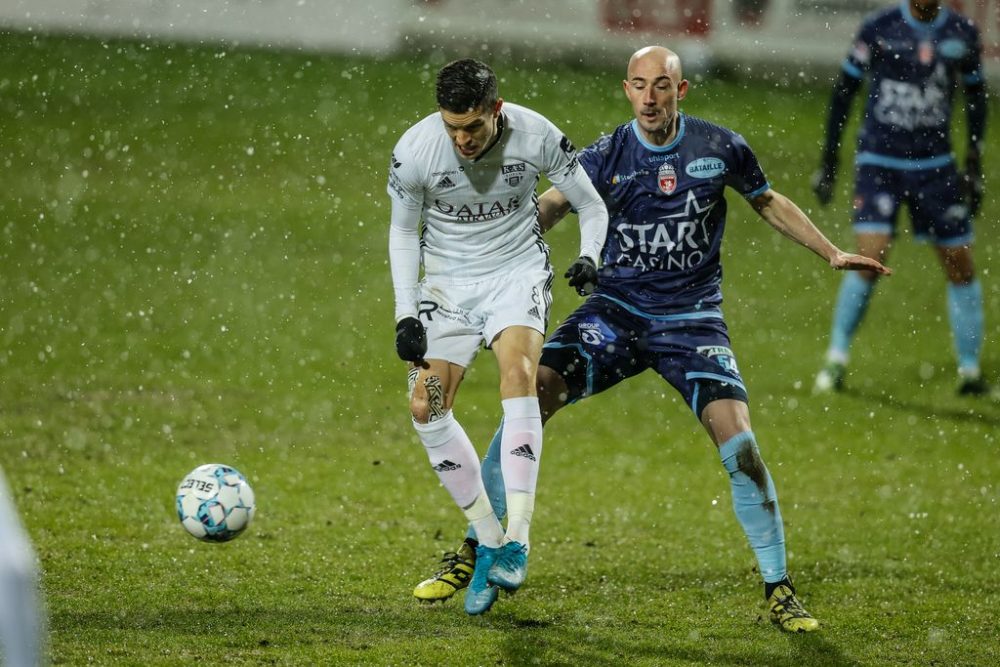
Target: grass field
x,y
193,268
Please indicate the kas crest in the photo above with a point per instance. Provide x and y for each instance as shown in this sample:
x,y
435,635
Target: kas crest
x,y
666,176
513,173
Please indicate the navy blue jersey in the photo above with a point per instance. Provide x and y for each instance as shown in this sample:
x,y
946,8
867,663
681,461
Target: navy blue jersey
x,y
668,213
914,69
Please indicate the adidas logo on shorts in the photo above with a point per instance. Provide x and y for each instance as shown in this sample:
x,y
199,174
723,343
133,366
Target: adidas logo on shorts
x,y
525,451
534,313
446,466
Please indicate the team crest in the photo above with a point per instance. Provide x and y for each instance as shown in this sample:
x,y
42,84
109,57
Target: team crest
x,y
925,52
513,173
666,176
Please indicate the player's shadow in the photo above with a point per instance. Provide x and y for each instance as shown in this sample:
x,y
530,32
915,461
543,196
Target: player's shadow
x,y
526,641
977,410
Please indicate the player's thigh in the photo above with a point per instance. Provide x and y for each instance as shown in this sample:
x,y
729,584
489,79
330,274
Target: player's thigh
x,y
596,347
517,350
878,195
695,357
521,298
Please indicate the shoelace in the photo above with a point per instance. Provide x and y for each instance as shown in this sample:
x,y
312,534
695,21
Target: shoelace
x,y
450,560
791,606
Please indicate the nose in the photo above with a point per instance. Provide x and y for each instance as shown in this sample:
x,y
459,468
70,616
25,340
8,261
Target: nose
x,y
647,96
462,137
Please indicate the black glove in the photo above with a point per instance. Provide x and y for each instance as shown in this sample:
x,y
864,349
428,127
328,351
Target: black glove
x,y
972,183
822,182
411,340
582,275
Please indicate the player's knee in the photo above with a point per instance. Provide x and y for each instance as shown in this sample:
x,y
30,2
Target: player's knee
x,y
427,398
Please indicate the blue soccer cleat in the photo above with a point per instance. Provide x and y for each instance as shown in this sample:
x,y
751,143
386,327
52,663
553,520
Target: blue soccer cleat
x,y
480,595
510,567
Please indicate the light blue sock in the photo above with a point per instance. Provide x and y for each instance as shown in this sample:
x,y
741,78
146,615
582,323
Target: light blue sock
x,y
965,312
756,504
493,479
852,302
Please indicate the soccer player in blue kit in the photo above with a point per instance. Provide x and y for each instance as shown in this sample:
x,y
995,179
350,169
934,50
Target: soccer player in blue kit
x,y
658,301
916,54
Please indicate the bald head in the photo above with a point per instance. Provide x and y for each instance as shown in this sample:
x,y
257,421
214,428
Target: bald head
x,y
654,86
657,56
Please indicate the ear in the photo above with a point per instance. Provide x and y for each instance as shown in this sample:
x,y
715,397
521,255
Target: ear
x,y
497,107
682,89
625,87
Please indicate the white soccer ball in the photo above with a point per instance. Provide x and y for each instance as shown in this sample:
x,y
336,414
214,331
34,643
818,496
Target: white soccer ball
x,y
215,503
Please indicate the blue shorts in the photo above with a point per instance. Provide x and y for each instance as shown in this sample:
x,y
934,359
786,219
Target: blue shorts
x,y
938,211
604,342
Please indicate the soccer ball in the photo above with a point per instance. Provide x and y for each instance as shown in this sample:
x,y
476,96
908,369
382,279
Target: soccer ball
x,y
215,503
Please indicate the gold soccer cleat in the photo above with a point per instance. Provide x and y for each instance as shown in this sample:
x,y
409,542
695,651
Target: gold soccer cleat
x,y
787,612
453,576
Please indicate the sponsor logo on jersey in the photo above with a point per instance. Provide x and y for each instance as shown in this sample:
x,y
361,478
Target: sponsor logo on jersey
x,y
524,451
591,333
675,242
478,211
666,177
446,182
621,178
566,145
513,173
953,49
705,167
394,162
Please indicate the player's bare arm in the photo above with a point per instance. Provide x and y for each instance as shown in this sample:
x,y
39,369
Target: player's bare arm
x,y
781,213
552,207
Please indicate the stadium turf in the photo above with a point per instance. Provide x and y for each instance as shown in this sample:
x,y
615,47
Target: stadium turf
x,y
193,269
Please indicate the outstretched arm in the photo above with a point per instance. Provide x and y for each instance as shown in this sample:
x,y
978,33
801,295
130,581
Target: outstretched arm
x,y
782,214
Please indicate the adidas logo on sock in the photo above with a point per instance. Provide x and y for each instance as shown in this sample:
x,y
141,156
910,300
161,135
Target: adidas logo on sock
x,y
446,466
525,451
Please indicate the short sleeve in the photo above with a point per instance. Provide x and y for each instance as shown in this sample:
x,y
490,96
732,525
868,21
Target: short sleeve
x,y
744,173
859,58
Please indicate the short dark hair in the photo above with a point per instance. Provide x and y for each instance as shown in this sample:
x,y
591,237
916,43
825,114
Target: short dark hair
x,y
464,85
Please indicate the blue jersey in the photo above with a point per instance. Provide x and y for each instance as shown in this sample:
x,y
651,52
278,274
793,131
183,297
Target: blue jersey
x,y
914,69
668,213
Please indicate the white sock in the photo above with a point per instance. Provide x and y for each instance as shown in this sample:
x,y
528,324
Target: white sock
x,y
455,461
520,453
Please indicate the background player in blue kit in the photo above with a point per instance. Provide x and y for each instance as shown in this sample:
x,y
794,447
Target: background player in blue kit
x,y
916,54
657,303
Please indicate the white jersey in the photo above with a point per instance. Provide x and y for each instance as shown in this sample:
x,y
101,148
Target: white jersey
x,y
480,217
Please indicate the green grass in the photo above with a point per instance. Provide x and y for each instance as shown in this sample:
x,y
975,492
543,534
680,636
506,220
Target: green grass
x,y
193,268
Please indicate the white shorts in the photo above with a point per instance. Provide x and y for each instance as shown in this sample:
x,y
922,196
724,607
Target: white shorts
x,y
462,318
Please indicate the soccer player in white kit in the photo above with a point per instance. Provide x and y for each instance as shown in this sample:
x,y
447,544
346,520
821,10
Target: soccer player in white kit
x,y
468,173
20,616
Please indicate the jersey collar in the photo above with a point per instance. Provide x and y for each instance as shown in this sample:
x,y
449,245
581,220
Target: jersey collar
x,y
653,147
